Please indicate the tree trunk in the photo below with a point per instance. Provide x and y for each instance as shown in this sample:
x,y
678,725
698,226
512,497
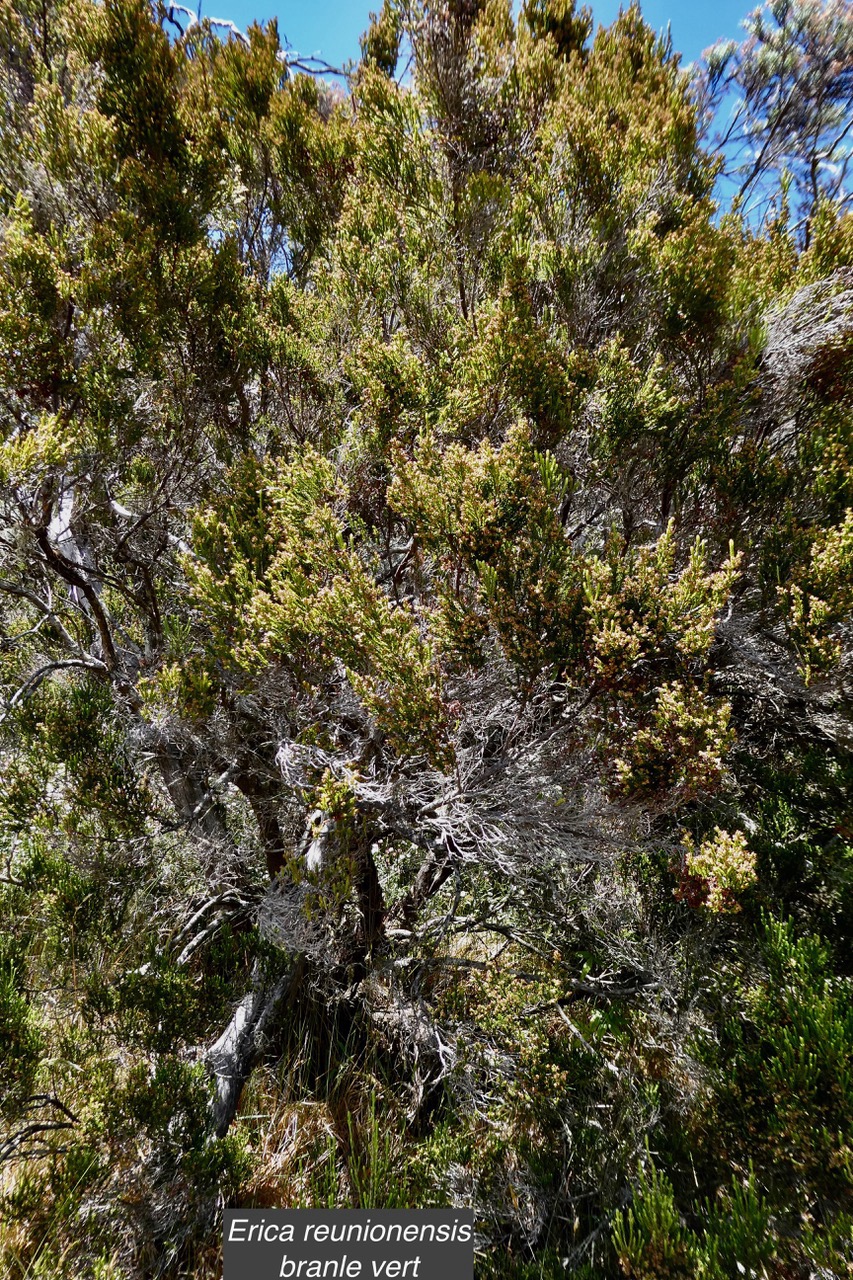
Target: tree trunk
x,y
237,1051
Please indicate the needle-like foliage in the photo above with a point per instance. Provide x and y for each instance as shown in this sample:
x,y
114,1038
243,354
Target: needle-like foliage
x,y
425,562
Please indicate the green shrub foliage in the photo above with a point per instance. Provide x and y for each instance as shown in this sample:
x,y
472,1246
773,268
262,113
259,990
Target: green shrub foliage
x,y
426,547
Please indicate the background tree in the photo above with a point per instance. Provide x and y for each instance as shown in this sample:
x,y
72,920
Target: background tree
x,y
781,101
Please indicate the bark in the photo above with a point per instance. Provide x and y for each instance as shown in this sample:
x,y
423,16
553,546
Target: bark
x,y
264,799
431,876
188,785
70,573
371,901
237,1051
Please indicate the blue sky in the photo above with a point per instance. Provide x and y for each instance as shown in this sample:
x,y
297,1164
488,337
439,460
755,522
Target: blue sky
x,y
331,28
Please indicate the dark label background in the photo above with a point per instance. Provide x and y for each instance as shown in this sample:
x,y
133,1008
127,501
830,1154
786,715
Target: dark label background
x,y
261,1260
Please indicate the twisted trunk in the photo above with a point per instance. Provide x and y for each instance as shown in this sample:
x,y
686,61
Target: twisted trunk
x,y
235,1054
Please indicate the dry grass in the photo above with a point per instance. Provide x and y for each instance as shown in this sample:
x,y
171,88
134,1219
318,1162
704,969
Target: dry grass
x,y
291,1143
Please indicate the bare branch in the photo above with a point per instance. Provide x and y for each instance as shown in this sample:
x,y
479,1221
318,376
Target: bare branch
x,y
30,685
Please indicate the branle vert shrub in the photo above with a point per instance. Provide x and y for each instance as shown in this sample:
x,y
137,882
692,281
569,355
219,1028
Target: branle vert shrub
x,y
713,875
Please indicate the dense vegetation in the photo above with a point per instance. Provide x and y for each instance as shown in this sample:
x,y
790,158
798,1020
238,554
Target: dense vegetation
x,y
426,573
